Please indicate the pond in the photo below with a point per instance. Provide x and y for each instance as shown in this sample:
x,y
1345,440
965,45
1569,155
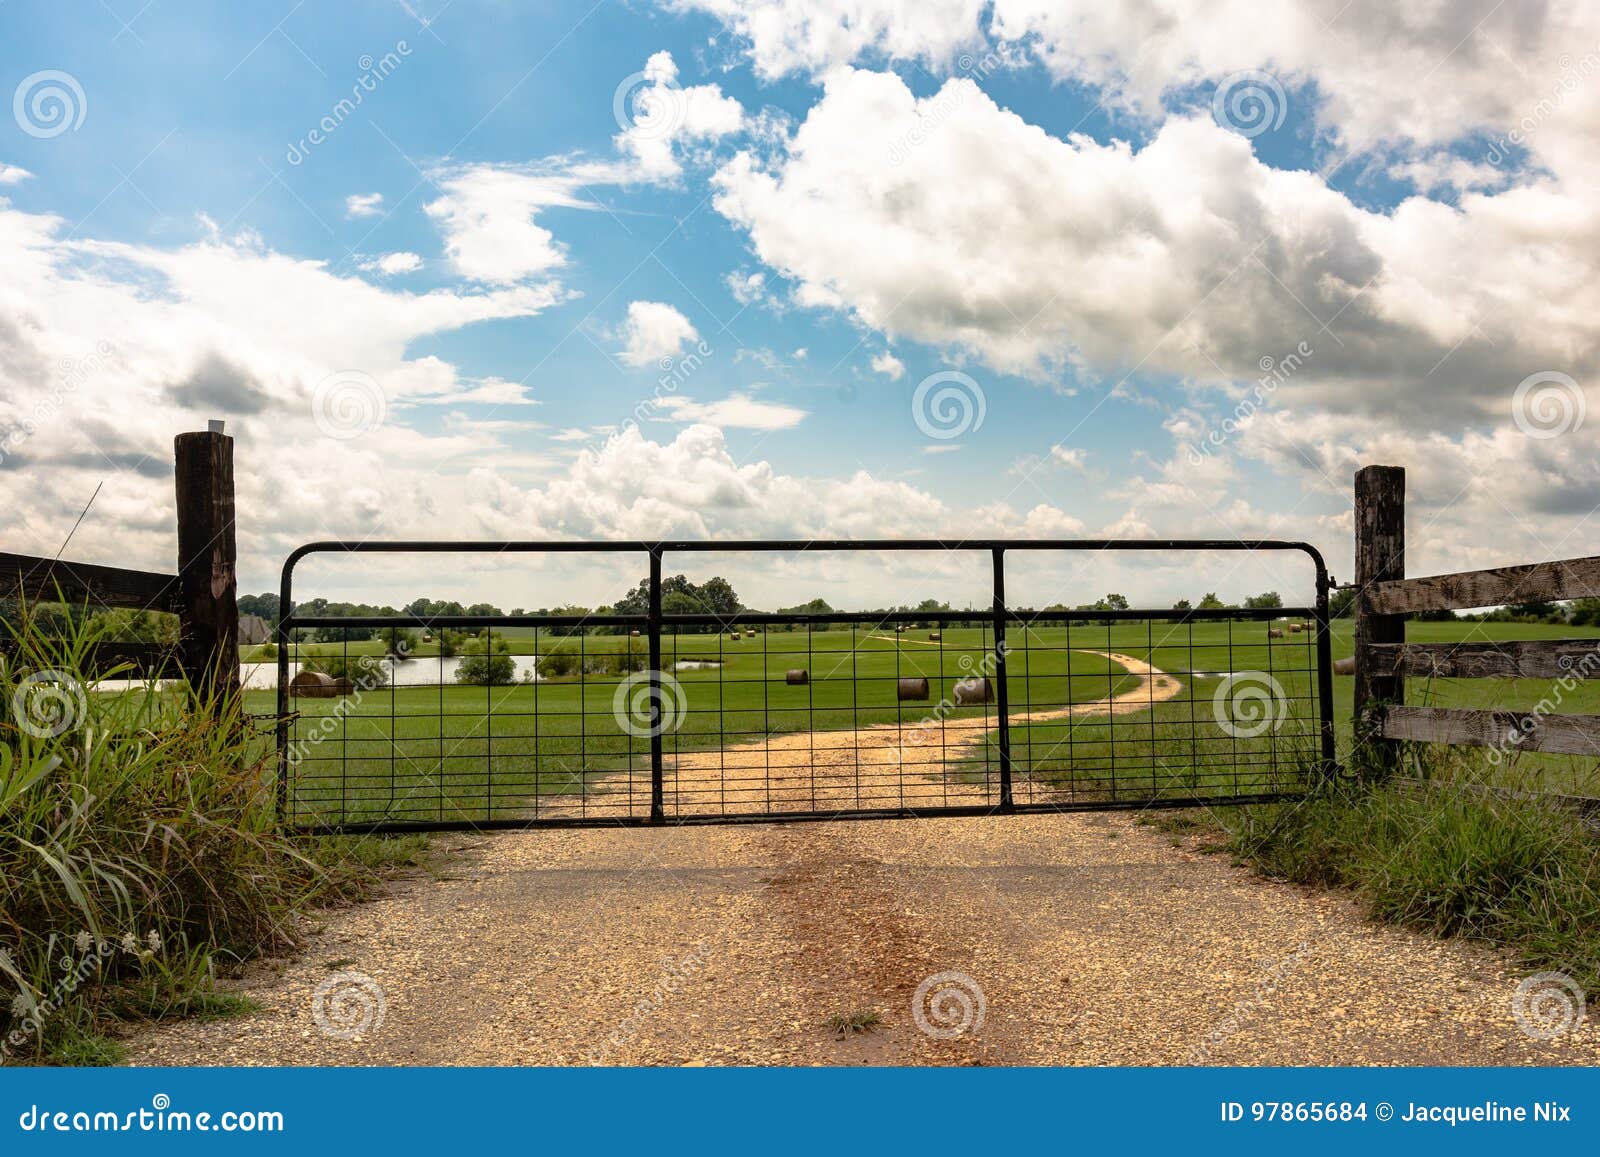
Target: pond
x,y
263,676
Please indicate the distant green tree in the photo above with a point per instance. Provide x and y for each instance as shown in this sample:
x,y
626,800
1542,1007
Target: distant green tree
x,y
1267,600
399,641
1585,613
487,664
265,605
1211,603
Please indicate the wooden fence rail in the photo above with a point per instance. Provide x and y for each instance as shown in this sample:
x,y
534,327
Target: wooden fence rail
x,y
203,593
1384,660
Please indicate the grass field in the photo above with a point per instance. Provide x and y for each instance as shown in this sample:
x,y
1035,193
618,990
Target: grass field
x,y
453,750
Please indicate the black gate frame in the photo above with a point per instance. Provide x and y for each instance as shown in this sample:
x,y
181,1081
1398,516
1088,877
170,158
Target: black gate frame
x,y
653,621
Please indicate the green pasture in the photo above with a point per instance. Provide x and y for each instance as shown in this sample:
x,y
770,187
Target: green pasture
x,y
452,750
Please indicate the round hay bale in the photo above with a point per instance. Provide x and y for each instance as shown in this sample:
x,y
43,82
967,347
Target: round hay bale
x,y
314,685
1345,666
1296,628
796,677
750,634
911,689
934,636
1274,633
633,634
977,689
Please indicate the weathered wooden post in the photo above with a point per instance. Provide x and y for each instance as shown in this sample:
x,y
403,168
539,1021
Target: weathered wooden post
x,y
208,610
1380,557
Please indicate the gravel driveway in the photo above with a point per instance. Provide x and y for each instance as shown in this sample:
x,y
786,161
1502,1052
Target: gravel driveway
x,y
1081,939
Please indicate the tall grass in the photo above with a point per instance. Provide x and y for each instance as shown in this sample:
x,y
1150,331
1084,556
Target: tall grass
x,y
1445,856
137,852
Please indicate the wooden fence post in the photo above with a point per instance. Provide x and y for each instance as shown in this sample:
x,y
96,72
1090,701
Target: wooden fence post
x,y
208,608
1380,556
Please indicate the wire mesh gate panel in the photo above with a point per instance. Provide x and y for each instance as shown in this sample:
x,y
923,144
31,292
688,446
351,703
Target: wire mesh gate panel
x,y
547,720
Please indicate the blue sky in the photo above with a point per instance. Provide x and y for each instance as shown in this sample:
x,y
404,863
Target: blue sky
x,y
1052,206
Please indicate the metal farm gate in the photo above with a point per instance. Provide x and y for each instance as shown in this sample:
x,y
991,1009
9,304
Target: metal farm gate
x,y
675,717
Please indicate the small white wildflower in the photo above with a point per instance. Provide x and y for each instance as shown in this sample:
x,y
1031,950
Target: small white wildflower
x,y
153,939
129,944
83,941
21,1006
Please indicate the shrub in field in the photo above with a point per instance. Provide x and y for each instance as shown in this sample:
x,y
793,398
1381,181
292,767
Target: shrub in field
x,y
606,664
557,664
137,853
487,664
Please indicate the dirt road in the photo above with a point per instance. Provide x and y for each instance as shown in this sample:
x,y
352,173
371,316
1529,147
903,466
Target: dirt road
x,y
913,764
1091,939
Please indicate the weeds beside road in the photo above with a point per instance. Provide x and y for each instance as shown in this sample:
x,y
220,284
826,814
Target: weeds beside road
x,y
139,858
